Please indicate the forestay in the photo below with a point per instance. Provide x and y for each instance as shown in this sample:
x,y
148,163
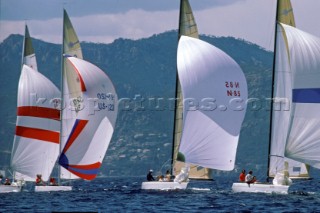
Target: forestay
x,y
214,89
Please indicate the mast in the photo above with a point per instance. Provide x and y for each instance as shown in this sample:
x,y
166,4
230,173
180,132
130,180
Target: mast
x,y
177,101
22,63
272,88
61,86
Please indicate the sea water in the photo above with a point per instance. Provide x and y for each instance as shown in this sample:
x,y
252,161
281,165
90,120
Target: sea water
x,y
122,194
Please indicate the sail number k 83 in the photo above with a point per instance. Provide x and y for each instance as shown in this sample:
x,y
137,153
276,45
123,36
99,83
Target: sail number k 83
x,y
233,88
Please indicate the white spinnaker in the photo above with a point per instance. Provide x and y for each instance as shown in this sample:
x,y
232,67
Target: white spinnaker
x,y
303,142
98,109
36,142
210,78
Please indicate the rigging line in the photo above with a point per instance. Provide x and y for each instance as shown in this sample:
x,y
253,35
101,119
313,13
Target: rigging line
x,y
272,86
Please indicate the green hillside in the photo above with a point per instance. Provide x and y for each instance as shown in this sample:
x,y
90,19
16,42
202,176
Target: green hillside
x,y
143,71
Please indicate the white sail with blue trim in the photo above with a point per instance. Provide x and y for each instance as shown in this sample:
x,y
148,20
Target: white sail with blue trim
x,y
303,143
282,106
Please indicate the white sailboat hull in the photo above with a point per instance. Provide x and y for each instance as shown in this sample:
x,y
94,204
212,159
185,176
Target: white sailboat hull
x,y
14,187
52,188
260,188
158,185
10,188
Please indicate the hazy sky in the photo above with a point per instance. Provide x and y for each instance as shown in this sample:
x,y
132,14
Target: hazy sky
x,y
105,20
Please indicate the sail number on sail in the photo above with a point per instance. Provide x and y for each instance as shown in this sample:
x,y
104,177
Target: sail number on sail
x,y
103,105
232,87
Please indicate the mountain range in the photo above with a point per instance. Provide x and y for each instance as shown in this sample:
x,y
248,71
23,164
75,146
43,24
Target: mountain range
x,y
144,74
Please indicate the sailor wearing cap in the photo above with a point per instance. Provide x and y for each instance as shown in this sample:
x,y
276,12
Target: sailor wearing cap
x,y
149,175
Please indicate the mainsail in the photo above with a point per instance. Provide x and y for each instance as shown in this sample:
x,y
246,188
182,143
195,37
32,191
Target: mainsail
x,y
36,141
282,94
29,56
71,44
187,27
187,23
89,112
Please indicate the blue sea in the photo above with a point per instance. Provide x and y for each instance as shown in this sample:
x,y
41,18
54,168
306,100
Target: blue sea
x,y
112,194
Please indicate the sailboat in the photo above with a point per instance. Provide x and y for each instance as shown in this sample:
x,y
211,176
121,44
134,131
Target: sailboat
x,y
36,141
214,91
89,112
294,142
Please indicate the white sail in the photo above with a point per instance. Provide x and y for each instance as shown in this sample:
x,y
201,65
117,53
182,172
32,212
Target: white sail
x,y
303,143
36,141
93,126
29,56
215,83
